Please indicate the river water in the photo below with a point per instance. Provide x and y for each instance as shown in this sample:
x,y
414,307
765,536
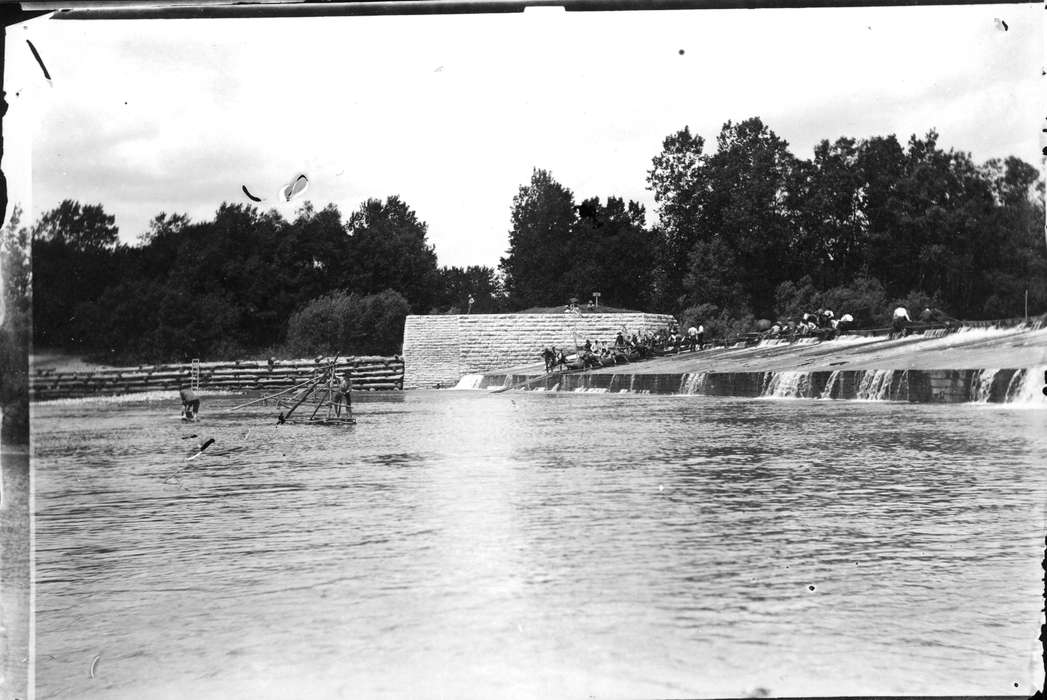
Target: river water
x,y
464,545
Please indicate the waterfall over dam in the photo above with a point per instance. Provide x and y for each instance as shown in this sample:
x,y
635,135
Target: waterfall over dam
x,y
1006,365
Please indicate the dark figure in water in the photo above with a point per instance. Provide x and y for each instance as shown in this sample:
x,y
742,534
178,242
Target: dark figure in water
x,y
342,395
190,403
549,356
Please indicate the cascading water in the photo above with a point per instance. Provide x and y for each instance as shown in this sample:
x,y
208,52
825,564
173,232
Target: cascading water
x,y
830,384
981,386
789,385
875,385
1026,388
692,383
470,381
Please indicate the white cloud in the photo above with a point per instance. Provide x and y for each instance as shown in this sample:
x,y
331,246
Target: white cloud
x,y
452,112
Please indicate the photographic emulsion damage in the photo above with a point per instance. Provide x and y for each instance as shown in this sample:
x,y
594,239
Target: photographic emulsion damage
x,y
425,349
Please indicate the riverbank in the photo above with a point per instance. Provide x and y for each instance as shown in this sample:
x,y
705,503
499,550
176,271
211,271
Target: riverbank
x,y
971,364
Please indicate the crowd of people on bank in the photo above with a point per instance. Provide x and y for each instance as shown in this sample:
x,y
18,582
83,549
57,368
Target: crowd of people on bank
x,y
626,348
822,324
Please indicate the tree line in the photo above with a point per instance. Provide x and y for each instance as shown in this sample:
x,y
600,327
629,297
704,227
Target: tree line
x,y
245,282
750,231
743,231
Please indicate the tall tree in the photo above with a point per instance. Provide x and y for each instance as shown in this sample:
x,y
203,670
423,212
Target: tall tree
x,y
613,253
538,259
14,330
74,248
829,225
388,250
679,182
81,227
475,282
749,209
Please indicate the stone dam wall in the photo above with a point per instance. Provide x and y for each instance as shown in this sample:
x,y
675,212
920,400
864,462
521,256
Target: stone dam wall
x,y
917,386
438,350
368,374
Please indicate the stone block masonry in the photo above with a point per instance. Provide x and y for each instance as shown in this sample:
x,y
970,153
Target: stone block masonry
x,y
439,350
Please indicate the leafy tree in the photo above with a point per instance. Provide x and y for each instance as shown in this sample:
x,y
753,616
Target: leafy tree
x,y
679,182
15,268
458,284
859,223
749,208
863,298
538,259
14,330
718,322
388,250
73,251
793,299
349,324
163,226
1012,255
612,253
81,227
828,233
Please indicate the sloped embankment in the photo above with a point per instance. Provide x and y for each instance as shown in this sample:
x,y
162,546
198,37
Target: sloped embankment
x,y
968,365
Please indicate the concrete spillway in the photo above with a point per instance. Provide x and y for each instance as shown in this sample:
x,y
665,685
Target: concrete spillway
x,y
978,365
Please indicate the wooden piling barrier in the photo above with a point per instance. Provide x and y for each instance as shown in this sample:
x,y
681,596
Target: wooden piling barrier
x,y
368,373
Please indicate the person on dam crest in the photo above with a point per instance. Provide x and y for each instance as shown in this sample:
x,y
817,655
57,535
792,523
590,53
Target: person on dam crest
x,y
900,322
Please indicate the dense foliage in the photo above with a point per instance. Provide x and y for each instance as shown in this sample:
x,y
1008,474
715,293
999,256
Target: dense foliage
x,y
751,229
559,250
744,232
15,300
348,324
230,286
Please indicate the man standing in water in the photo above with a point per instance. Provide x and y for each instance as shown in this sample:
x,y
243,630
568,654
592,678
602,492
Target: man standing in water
x,y
341,395
190,403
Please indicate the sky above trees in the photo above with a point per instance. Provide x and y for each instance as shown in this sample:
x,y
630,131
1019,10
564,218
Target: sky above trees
x,y
453,113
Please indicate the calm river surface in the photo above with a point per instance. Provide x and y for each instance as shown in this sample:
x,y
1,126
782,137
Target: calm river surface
x,y
464,545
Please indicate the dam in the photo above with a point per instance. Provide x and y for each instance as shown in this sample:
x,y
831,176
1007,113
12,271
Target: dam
x,y
972,364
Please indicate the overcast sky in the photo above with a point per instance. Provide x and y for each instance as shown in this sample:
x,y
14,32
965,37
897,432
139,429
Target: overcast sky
x,y
452,113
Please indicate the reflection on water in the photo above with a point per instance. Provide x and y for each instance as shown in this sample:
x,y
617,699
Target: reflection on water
x,y
465,545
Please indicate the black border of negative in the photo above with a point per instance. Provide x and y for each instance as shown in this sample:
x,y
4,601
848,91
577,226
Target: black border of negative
x,y
15,564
